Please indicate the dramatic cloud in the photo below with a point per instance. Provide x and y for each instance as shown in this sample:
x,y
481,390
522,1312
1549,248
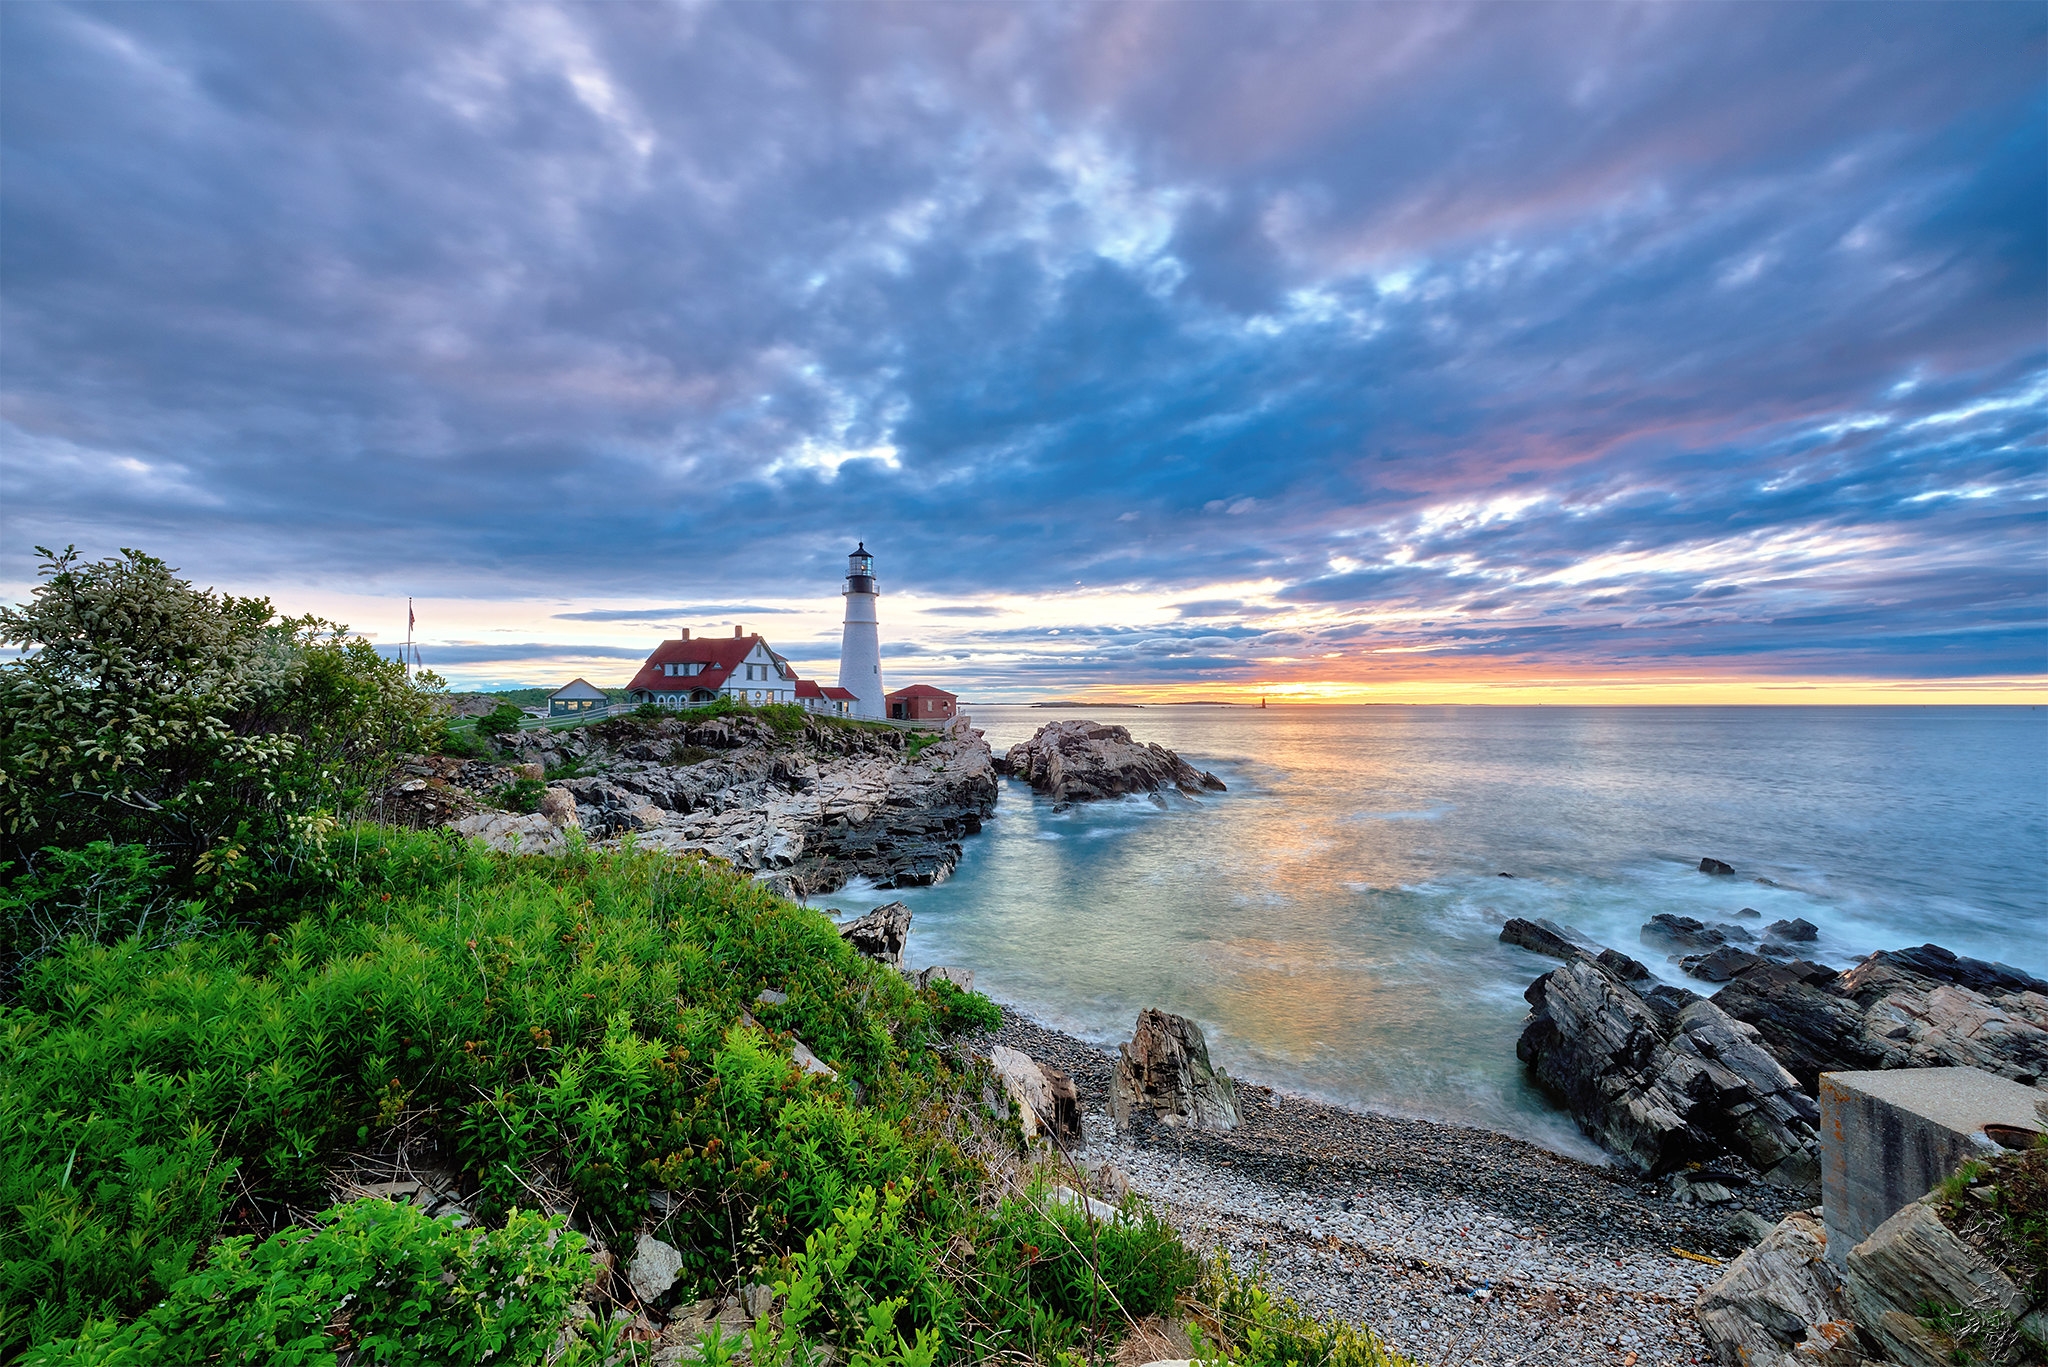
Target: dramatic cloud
x,y
1228,342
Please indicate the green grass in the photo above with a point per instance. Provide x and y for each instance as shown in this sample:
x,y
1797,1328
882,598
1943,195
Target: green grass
x,y
567,1025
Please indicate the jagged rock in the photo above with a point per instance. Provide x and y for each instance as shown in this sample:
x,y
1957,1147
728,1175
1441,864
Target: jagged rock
x,y
558,805
437,790
654,1268
1809,1029
1680,932
1939,965
880,934
1746,1227
1621,966
1662,1077
1913,1262
1887,1013
1799,930
1557,941
809,1061
513,833
1164,1073
1107,1180
1100,1211
1548,938
1045,1095
1081,761
1715,866
1720,965
962,978
645,817
1781,1303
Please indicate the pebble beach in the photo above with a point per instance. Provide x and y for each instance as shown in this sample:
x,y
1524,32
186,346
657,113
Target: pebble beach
x,y
1455,1245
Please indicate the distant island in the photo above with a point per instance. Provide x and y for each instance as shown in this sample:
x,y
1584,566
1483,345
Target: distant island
x,y
1190,702
1069,702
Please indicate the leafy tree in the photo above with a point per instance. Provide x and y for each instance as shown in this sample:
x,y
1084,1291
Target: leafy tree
x,y
215,734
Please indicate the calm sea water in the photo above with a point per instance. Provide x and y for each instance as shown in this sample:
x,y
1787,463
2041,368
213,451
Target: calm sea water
x,y
1332,921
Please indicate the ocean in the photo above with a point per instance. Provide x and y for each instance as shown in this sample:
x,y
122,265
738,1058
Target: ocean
x,y
1332,921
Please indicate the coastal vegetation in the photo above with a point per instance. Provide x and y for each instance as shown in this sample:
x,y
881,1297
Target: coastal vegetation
x,y
236,1017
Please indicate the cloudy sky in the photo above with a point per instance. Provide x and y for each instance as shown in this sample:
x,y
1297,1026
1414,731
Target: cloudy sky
x,y
1410,351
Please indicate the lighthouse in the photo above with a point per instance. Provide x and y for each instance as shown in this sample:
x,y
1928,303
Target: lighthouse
x,y
860,645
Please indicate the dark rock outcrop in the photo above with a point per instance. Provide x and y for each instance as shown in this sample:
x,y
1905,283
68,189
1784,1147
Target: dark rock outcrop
x,y
880,935
1556,941
1715,866
1668,931
1164,1074
1719,965
1810,1029
1886,1013
1662,1077
1546,937
1797,931
1935,964
1081,761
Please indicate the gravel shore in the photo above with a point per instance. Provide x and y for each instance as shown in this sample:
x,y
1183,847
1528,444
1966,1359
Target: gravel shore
x,y
1455,1245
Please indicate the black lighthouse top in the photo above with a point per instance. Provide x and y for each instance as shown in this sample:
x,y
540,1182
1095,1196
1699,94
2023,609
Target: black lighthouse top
x,y
860,571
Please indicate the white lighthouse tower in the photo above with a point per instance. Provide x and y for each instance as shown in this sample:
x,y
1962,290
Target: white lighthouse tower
x,y
860,646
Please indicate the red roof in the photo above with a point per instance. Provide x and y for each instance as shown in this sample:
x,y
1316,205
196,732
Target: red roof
x,y
808,688
841,694
720,656
923,691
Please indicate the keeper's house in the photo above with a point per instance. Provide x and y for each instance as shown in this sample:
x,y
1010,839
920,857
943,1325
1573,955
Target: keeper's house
x,y
578,695
684,671
921,702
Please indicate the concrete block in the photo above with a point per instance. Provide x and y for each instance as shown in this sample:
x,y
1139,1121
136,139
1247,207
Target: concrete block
x,y
1887,1137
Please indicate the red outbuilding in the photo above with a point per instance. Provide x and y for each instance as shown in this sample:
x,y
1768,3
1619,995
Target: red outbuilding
x,y
921,702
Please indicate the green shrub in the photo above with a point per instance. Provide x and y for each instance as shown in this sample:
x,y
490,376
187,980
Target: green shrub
x,y
503,720
103,892
956,1010
376,1278
520,795
459,741
1260,1329
1047,1270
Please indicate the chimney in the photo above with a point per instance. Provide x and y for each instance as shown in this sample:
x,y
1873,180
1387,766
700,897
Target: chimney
x,y
686,634
735,631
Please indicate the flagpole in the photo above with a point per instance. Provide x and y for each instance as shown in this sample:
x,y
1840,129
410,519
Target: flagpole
x,y
407,658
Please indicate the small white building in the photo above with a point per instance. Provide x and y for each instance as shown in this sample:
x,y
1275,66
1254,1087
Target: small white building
x,y
578,695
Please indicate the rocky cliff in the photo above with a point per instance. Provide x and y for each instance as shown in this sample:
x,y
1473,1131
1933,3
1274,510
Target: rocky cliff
x,y
808,807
